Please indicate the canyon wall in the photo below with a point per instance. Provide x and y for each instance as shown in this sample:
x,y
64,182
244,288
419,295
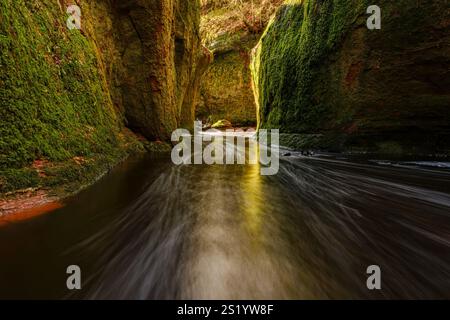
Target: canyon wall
x,y
320,73
67,97
162,61
230,29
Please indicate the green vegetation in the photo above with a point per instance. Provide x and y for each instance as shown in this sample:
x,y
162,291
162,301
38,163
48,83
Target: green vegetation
x,y
54,100
226,92
225,18
318,70
288,61
221,124
230,29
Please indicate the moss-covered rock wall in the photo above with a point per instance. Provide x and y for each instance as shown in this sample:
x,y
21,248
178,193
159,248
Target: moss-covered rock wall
x,y
226,91
67,96
319,71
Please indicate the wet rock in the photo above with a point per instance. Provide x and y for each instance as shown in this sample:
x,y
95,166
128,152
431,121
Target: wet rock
x,y
319,70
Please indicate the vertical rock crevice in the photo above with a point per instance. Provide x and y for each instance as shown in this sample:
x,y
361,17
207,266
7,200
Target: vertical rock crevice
x,y
161,54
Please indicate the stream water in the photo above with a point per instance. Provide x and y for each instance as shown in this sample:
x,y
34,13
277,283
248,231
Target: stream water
x,y
153,230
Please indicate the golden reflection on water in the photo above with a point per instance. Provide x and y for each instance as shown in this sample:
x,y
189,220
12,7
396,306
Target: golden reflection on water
x,y
251,192
236,240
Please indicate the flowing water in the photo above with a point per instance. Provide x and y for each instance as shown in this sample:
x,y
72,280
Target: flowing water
x,y
153,230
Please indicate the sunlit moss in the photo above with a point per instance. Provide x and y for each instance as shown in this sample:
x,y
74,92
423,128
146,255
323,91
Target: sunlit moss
x,y
287,60
319,70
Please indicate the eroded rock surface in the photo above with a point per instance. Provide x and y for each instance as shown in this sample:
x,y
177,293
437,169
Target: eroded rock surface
x,y
319,70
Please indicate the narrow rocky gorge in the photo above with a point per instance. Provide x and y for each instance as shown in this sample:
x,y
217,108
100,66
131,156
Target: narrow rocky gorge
x,y
230,29
76,102
102,198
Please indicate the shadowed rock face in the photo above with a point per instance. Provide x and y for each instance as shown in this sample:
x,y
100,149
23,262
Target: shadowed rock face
x,y
319,70
162,60
152,58
148,80
226,91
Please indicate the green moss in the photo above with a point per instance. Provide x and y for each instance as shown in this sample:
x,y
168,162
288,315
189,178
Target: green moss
x,y
226,91
70,176
288,61
54,99
15,179
319,70
230,29
62,178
